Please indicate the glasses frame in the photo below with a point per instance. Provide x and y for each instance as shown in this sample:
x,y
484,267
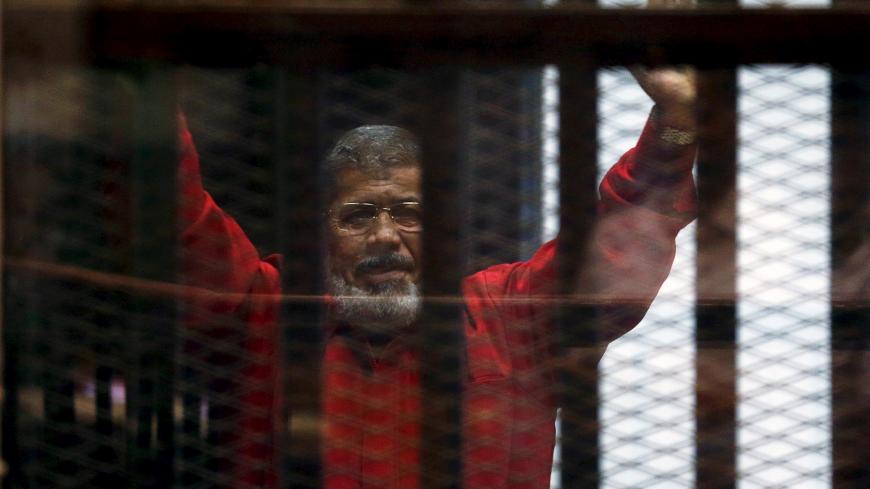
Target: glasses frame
x,y
332,214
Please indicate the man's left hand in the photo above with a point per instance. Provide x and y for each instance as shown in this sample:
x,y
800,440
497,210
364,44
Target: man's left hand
x,y
674,91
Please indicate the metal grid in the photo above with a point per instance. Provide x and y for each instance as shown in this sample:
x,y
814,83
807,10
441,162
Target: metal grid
x,y
646,377
784,266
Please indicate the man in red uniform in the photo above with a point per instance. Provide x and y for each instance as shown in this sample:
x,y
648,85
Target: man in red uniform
x,y
370,382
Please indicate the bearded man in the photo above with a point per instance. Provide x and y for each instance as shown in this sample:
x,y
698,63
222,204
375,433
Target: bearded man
x,y
376,221
370,380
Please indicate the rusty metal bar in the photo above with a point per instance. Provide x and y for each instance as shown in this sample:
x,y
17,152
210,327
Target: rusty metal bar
x,y
219,34
850,278
440,335
153,253
299,216
578,332
716,273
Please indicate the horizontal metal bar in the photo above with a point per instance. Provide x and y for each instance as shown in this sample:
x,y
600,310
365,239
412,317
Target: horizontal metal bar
x,y
416,35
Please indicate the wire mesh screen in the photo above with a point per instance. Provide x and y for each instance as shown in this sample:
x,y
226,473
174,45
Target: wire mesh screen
x,y
784,262
647,375
152,341
84,355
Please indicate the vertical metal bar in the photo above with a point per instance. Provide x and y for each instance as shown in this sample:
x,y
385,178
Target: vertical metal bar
x,y
59,430
44,448
850,281
191,459
577,318
300,223
11,308
137,411
111,104
153,248
12,345
715,312
440,335
13,321
106,474
57,458
715,282
63,304
40,444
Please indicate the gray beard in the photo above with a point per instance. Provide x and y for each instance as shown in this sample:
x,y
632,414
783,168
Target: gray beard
x,y
391,307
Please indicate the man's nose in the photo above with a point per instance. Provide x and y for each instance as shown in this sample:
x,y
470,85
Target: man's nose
x,y
384,230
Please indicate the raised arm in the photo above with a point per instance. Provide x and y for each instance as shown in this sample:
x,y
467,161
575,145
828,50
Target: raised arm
x,y
216,253
645,199
230,321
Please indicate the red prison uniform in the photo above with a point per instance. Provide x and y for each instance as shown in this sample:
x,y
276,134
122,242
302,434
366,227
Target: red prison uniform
x,y
371,405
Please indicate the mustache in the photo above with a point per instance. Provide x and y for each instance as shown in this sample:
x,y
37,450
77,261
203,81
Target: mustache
x,y
389,261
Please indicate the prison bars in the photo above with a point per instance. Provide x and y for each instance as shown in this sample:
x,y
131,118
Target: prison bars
x,y
716,281
533,37
716,278
153,240
299,205
131,335
850,311
577,332
297,35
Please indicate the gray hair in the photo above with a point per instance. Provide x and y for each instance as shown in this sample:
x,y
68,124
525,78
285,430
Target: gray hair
x,y
373,149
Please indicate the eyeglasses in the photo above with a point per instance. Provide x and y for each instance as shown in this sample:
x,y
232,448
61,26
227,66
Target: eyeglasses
x,y
359,217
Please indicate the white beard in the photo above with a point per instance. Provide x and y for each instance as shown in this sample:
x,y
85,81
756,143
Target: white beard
x,y
394,306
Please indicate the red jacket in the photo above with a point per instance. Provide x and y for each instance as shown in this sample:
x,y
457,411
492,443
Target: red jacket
x,y
371,406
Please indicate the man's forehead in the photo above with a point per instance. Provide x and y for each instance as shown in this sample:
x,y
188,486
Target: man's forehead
x,y
391,181
379,172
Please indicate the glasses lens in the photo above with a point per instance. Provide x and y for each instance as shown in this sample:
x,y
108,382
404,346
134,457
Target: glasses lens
x,y
408,215
356,217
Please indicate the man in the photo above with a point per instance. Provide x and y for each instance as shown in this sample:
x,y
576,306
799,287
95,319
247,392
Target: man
x,y
370,383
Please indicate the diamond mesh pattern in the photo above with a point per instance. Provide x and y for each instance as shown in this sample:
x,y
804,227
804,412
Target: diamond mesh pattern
x,y
647,376
784,278
236,138
504,165
73,330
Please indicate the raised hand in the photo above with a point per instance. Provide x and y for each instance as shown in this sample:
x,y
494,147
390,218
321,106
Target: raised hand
x,y
672,88
674,91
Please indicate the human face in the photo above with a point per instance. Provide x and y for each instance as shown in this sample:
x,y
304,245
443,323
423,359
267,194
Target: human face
x,y
395,185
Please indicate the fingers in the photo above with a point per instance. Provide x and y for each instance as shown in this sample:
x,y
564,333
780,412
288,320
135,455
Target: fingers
x,y
669,86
